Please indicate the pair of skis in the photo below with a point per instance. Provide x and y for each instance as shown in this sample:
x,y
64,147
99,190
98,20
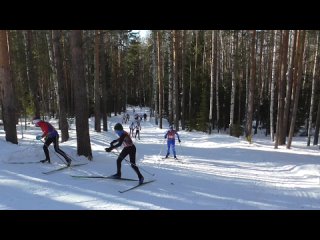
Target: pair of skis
x,y
51,171
179,160
64,167
111,177
88,176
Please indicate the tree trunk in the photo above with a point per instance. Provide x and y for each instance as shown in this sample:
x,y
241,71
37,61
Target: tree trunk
x,y
282,90
56,35
289,86
155,76
233,80
97,94
176,79
182,80
217,81
160,80
272,85
7,90
171,72
313,90
104,83
251,89
80,91
300,50
211,80
260,84
54,102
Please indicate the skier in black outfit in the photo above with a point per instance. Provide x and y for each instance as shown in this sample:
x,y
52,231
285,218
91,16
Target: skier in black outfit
x,y
129,149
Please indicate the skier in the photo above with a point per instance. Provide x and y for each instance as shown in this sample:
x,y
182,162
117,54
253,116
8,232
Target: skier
x,y
170,135
137,125
138,129
131,129
129,149
51,136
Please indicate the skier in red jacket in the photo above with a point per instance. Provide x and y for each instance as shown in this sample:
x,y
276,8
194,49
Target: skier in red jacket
x,y
51,136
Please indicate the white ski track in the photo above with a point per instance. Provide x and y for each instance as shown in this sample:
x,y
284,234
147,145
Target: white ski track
x,y
179,160
29,162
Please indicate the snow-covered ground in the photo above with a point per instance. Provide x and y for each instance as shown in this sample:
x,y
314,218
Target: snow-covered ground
x,y
213,172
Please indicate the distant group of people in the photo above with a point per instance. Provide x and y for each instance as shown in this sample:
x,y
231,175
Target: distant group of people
x,y
135,126
51,136
125,118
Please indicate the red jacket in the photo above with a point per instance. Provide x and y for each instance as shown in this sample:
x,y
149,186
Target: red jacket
x,y
47,129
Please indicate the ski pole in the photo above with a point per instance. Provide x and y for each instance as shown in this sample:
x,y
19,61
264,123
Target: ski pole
x,y
181,148
162,147
152,174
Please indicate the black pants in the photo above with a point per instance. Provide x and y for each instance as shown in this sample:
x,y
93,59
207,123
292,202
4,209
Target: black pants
x,y
137,133
55,141
131,151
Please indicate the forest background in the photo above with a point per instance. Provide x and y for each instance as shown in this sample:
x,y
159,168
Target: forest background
x,y
234,81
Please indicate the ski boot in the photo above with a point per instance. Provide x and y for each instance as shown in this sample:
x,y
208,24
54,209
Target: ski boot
x,y
116,176
141,179
45,160
68,162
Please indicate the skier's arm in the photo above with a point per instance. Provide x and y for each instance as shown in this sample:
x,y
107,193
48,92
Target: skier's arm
x,y
114,141
178,137
120,141
165,136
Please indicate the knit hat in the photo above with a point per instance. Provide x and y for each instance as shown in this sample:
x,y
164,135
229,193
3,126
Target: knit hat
x,y
36,120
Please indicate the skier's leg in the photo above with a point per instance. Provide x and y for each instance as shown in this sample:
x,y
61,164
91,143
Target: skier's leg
x,y
174,149
45,149
168,148
58,150
122,155
132,153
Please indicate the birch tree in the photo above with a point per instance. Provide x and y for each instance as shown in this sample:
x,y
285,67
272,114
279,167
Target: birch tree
x,y
233,81
211,80
160,79
155,75
313,90
272,87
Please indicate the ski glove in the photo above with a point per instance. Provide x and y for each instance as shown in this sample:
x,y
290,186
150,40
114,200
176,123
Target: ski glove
x,y
108,149
38,137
